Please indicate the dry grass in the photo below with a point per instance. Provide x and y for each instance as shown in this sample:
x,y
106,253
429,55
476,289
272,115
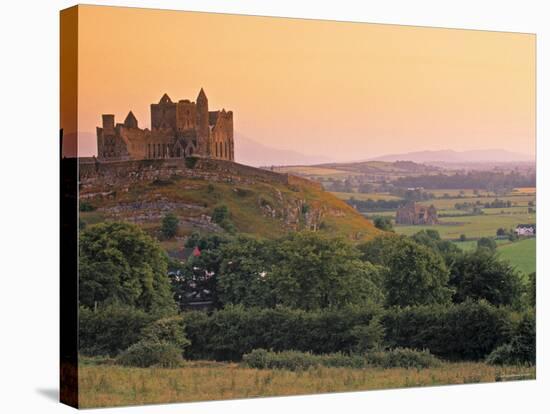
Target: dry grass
x,y
109,385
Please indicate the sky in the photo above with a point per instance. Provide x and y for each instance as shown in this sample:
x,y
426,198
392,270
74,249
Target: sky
x,y
338,90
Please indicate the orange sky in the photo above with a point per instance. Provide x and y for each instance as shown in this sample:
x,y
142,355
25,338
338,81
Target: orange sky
x,y
342,90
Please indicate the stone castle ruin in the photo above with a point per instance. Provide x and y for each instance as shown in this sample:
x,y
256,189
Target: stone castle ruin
x,y
416,214
178,130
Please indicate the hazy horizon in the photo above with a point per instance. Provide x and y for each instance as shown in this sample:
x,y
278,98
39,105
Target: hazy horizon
x,y
342,91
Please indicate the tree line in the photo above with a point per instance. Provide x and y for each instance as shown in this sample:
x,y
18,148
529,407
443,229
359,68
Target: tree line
x,y
304,292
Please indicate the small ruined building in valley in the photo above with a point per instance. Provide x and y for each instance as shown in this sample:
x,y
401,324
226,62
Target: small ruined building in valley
x,y
178,130
413,213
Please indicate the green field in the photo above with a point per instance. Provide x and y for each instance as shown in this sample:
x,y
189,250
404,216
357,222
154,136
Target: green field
x,y
471,226
521,254
447,203
111,385
365,196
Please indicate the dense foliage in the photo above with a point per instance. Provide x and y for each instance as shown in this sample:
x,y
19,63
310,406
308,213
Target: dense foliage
x,y
302,270
521,349
169,226
487,180
299,361
403,358
229,333
467,331
413,274
119,263
111,329
301,296
151,353
481,275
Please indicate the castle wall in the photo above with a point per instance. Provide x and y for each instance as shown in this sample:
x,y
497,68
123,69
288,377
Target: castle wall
x,y
222,137
186,115
163,116
120,172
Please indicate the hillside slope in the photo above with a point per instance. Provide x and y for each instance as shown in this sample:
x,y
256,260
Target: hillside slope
x,y
261,203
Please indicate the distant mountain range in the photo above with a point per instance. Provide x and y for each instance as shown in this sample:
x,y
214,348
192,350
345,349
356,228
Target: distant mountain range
x,y
250,152
453,157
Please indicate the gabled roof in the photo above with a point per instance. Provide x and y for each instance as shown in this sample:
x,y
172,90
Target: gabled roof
x,y
165,99
130,120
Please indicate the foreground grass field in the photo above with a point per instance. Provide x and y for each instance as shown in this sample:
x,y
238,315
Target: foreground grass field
x,y
110,385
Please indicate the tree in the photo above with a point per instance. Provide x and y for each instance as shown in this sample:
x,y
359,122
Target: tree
x,y
245,274
302,270
431,238
501,231
532,289
119,263
222,217
312,272
463,237
383,223
481,275
487,243
169,226
414,274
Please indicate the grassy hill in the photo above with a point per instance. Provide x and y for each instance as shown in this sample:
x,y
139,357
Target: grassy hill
x,y
258,207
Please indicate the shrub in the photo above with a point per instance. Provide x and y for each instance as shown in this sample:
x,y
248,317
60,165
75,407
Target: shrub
x,y
86,206
110,330
299,361
369,337
169,226
190,162
222,217
229,333
148,353
521,350
465,331
383,223
170,330
403,358
487,243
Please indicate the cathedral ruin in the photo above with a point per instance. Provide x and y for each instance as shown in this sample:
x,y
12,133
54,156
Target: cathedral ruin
x,y
178,130
415,214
